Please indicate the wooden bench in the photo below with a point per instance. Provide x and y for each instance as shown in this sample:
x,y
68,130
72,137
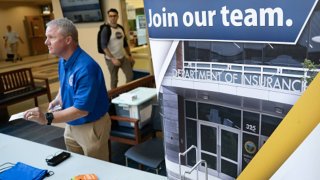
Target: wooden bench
x,y
125,135
19,85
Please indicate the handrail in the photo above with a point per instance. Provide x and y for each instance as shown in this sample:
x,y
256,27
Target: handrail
x,y
184,153
196,165
189,149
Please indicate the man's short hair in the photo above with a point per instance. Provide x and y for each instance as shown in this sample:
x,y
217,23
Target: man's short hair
x,y
113,10
66,27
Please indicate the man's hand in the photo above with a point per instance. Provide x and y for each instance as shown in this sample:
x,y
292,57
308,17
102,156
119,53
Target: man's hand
x,y
35,115
115,62
131,60
53,104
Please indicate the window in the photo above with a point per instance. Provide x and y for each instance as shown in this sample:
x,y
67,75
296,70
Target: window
x,y
269,124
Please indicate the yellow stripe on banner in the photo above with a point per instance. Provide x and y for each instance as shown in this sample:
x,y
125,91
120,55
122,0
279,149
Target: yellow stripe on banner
x,y
294,128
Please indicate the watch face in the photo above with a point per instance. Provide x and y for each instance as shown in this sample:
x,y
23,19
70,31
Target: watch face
x,y
49,117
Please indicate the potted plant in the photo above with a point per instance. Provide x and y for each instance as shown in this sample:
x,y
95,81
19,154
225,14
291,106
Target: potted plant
x,y
312,70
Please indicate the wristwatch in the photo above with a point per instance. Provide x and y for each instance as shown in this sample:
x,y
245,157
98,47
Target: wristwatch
x,y
49,117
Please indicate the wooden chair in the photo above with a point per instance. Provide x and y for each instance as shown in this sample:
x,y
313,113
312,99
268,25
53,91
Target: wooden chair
x,y
129,135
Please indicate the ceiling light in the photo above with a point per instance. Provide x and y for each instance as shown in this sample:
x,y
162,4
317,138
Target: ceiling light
x,y
316,39
278,110
205,97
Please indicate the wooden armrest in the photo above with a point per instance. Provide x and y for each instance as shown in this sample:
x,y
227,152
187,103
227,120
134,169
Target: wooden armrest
x,y
124,119
131,120
147,81
46,80
41,78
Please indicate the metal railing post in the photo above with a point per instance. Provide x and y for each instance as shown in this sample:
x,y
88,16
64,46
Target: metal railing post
x,y
195,166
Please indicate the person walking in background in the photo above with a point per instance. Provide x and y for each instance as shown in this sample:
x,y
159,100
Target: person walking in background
x,y
113,41
11,40
82,94
9,53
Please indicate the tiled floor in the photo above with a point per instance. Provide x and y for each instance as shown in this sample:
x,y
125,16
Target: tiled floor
x,y
31,61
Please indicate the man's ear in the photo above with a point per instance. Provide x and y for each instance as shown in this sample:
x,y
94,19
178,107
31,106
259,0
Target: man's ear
x,y
68,39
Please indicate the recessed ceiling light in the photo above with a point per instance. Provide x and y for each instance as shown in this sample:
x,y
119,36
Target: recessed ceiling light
x,y
278,110
316,39
205,97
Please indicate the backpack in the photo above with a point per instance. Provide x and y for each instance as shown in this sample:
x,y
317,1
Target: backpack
x,y
102,26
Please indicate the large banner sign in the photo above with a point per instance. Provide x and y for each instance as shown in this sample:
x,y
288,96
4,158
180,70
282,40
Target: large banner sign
x,y
222,20
245,55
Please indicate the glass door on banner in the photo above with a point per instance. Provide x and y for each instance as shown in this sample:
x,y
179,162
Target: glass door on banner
x,y
219,146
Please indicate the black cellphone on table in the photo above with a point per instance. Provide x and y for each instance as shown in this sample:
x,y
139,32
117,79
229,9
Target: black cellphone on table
x,y
57,159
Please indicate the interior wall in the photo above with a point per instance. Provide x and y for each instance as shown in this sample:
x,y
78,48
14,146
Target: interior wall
x,y
14,16
88,36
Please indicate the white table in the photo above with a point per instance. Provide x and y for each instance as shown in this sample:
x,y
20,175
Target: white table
x,y
14,150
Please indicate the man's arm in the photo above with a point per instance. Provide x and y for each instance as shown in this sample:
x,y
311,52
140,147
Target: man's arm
x,y
127,48
114,60
5,38
68,114
65,115
130,58
105,37
128,51
108,53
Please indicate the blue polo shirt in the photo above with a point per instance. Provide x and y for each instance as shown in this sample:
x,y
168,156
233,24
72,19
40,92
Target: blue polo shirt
x,y
82,86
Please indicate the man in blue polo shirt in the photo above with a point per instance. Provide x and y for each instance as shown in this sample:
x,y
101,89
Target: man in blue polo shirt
x,y
82,94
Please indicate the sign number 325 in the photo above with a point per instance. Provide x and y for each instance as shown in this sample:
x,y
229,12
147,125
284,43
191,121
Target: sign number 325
x,y
251,127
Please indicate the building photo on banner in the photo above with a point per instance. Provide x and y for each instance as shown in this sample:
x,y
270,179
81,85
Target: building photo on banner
x,y
236,88
33,81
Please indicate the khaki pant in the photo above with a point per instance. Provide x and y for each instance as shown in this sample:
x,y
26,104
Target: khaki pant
x,y
126,67
90,139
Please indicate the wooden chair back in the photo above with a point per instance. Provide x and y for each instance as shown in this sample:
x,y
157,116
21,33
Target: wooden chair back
x,y
16,79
